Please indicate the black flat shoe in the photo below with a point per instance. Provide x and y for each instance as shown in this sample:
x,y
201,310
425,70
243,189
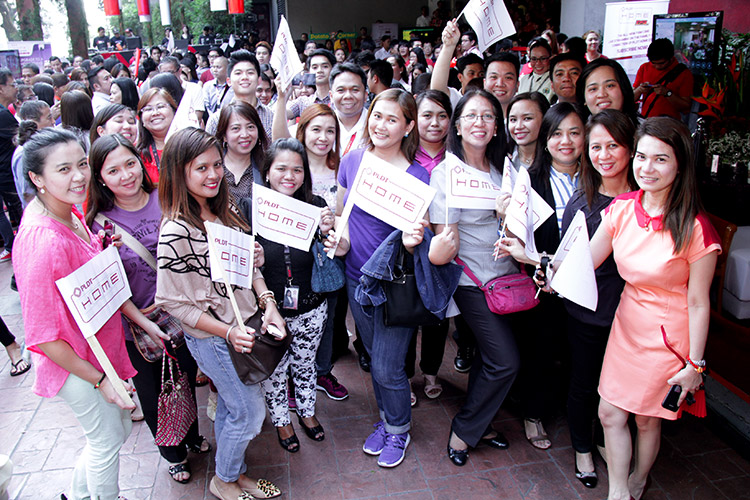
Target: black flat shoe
x,y
458,457
315,433
499,442
290,444
588,479
364,361
464,359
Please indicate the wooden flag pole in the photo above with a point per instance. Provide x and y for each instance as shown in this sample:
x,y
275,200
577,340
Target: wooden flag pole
x,y
109,370
343,221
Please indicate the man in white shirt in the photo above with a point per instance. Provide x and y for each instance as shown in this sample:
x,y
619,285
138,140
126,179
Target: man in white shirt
x,y
100,81
384,52
423,21
243,71
216,92
348,94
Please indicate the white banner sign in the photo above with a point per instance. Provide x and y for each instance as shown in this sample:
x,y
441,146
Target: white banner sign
x,y
234,252
521,217
628,31
284,219
468,187
575,279
389,193
490,21
284,58
95,291
218,5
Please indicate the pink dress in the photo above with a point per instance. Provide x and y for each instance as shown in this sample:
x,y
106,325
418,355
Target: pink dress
x,y
637,363
44,251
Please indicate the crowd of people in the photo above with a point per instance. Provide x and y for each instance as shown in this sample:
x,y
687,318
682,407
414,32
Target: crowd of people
x,y
152,150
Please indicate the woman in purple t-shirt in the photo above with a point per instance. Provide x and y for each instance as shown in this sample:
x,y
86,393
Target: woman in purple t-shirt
x,y
390,136
121,191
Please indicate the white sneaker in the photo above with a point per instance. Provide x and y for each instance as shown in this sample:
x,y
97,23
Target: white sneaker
x,y
5,256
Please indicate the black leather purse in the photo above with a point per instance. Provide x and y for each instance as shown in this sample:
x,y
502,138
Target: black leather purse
x,y
403,304
257,365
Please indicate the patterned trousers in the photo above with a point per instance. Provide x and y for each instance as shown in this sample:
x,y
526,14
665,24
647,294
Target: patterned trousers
x,y
307,329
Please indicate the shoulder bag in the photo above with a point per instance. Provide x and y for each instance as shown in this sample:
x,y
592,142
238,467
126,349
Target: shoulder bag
x,y
327,274
149,349
506,294
403,304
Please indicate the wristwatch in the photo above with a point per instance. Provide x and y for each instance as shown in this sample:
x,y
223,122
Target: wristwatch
x,y
669,93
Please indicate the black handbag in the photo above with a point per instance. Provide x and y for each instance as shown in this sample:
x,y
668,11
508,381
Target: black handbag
x,y
403,304
257,365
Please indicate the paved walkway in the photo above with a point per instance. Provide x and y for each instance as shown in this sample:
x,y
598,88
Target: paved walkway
x,y
44,441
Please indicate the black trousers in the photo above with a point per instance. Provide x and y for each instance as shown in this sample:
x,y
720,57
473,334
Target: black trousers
x,y
433,348
587,346
495,366
148,384
6,338
542,343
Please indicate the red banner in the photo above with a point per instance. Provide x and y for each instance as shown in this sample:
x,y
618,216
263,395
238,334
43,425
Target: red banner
x,y
111,8
236,6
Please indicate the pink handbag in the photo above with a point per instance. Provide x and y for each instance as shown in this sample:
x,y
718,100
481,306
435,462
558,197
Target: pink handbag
x,y
176,410
506,294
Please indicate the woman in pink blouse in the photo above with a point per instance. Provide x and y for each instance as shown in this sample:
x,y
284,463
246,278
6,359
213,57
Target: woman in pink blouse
x,y
54,241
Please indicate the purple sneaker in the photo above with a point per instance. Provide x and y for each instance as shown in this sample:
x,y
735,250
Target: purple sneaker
x,y
292,400
375,441
394,451
330,385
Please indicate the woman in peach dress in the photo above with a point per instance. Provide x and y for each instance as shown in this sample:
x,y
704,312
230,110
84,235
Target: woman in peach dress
x,y
665,249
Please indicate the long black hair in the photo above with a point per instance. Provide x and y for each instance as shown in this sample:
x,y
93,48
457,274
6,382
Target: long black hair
x,y
551,122
628,99
129,91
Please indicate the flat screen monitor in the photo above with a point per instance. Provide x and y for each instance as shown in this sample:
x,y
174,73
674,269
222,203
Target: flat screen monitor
x,y
134,42
696,37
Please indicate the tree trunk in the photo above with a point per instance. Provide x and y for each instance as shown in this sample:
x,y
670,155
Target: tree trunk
x,y
30,20
79,27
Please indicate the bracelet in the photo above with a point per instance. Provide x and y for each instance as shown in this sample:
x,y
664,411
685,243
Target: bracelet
x,y
264,297
226,335
699,366
99,384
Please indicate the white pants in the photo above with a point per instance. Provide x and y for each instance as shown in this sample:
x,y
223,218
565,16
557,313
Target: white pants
x,y
106,427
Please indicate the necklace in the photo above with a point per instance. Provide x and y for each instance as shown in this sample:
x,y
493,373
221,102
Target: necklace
x,y
72,224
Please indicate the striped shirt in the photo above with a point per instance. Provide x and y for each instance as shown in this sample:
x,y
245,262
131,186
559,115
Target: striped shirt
x,y
563,187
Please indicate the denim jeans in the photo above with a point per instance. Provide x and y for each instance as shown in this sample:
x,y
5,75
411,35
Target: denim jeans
x,y
387,347
106,427
240,408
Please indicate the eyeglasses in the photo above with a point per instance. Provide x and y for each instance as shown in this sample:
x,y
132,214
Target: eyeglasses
x,y
535,60
486,117
159,107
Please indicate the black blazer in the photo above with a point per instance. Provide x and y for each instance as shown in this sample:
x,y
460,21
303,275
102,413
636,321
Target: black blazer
x,y
547,237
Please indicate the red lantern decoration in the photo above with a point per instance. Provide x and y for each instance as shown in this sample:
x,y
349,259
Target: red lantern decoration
x,y
111,8
236,6
144,11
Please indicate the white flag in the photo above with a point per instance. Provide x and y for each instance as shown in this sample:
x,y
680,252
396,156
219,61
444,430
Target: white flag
x,y
575,279
389,193
509,178
170,40
283,219
284,58
95,291
490,21
468,187
520,216
234,251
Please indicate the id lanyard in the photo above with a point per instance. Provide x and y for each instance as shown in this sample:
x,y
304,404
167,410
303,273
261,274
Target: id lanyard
x,y
291,293
155,154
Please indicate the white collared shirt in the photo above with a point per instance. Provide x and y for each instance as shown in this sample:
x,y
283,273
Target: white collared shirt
x,y
353,138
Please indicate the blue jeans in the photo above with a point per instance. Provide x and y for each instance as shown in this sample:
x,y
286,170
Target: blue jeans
x,y
240,408
387,347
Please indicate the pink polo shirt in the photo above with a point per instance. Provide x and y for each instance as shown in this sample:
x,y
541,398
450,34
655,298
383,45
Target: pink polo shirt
x,y
44,251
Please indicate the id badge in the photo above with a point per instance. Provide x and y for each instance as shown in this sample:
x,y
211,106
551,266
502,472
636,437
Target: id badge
x,y
291,297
